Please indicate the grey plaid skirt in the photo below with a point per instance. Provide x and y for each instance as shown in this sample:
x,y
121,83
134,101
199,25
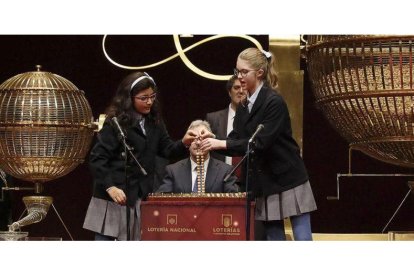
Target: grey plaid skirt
x,y
293,202
109,218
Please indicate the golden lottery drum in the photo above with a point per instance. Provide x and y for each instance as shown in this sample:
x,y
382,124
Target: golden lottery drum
x,y
364,86
46,126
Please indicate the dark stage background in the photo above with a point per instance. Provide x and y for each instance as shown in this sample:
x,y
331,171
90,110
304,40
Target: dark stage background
x,y
365,205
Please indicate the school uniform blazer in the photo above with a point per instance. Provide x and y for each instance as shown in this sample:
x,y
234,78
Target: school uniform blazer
x,y
108,165
276,164
218,124
178,178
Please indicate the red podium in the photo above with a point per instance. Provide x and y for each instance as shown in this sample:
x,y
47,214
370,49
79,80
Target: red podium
x,y
202,217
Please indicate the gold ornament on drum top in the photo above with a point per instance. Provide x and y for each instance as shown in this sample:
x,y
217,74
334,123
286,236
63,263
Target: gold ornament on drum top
x,y
364,86
46,126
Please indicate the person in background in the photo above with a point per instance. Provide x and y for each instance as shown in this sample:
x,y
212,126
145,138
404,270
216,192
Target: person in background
x,y
136,108
221,121
278,177
181,177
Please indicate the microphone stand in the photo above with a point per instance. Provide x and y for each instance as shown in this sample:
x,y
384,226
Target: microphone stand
x,y
235,167
247,215
247,157
411,186
128,152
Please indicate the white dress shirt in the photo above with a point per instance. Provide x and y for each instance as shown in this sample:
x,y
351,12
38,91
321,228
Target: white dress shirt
x,y
253,97
230,120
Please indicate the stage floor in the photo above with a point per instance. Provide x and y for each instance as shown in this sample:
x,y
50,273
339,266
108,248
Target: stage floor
x,y
390,236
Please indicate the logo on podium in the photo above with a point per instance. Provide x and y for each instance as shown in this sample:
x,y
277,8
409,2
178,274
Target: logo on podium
x,y
228,228
226,220
172,219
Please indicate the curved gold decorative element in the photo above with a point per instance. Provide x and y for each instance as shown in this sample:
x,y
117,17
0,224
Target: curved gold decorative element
x,y
181,53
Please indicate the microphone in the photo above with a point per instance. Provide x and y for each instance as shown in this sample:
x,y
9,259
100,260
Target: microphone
x,y
128,148
115,120
258,129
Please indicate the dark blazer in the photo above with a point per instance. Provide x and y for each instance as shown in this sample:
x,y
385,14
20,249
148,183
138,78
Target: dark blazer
x,y
276,164
108,165
178,178
218,124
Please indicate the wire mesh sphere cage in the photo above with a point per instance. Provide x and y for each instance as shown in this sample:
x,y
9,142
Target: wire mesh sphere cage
x,y
46,126
364,86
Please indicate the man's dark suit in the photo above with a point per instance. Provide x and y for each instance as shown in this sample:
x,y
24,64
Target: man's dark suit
x,y
276,165
218,124
178,178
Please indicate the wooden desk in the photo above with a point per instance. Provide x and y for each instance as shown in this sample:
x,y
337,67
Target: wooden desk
x,y
195,218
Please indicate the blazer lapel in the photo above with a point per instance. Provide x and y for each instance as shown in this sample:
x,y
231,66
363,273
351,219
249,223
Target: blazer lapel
x,y
186,177
211,175
258,103
223,124
138,129
149,126
241,119
244,112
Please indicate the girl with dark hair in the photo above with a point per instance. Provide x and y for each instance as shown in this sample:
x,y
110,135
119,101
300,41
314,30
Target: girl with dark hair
x,y
136,108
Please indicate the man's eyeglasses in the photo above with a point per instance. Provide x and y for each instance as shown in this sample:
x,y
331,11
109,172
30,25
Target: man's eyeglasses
x,y
242,72
146,98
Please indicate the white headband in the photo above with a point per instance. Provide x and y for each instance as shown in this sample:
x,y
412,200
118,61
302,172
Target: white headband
x,y
267,54
146,76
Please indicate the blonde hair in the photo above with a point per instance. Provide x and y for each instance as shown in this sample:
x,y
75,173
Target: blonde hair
x,y
258,60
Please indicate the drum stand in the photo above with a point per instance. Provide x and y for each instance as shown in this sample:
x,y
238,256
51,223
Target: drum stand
x,y
411,186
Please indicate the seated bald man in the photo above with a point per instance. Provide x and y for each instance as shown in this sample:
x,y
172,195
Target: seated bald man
x,y
181,176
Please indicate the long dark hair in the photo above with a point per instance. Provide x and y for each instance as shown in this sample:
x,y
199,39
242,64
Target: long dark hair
x,y
122,103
